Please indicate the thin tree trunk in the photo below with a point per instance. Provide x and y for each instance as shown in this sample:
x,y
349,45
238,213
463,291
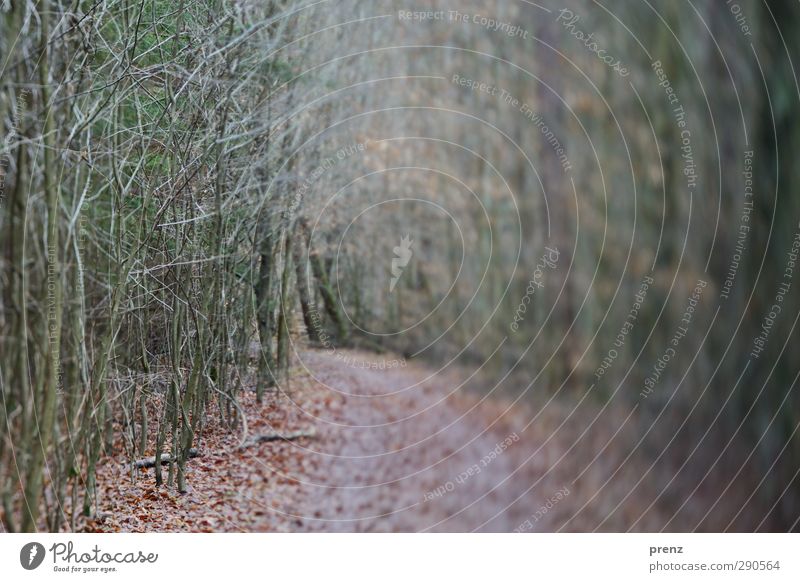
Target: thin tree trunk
x,y
52,291
304,290
325,290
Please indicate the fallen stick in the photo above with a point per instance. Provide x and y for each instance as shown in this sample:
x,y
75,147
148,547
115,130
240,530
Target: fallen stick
x,y
275,436
166,458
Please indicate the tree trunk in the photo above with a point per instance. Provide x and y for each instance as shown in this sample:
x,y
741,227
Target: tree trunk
x,y
304,290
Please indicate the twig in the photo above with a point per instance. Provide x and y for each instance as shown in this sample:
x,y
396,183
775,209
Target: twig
x,y
166,458
274,436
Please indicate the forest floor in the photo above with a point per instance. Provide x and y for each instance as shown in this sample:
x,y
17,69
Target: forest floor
x,y
399,449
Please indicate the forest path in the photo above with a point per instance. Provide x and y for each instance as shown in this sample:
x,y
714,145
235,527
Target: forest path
x,y
409,449
399,450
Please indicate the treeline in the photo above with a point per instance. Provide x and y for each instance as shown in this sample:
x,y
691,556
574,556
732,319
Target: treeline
x,y
146,233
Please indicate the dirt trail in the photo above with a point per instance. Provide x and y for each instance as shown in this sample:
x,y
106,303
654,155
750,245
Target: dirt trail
x,y
401,449
400,455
